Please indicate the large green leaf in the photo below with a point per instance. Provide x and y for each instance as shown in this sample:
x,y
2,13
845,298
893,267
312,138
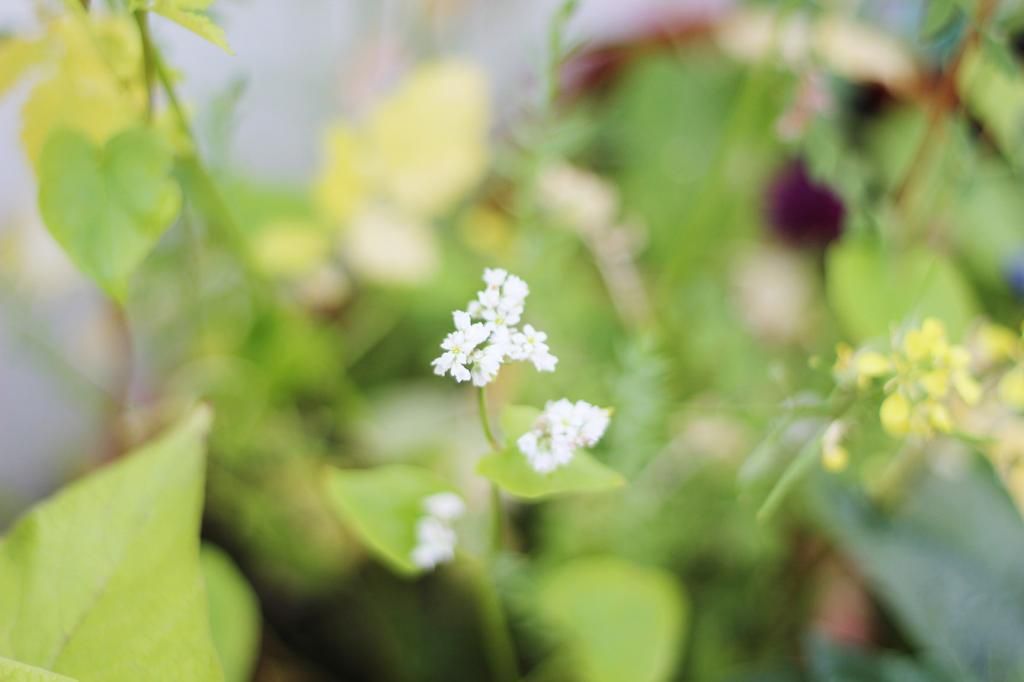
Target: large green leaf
x,y
101,582
510,470
382,505
12,671
107,207
234,614
872,290
946,563
620,621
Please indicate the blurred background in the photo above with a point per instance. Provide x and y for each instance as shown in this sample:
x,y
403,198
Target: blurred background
x,y
705,197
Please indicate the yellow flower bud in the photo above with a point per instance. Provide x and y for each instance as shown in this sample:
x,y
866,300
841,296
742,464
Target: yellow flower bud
x,y
997,342
833,455
968,387
895,415
939,417
929,340
844,357
1011,388
871,364
835,459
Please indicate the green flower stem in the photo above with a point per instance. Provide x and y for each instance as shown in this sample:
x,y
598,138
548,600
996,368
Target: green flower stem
x,y
208,195
485,420
497,510
794,473
148,75
497,641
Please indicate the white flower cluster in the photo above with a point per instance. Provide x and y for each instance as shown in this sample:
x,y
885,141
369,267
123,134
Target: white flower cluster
x,y
435,536
486,334
561,429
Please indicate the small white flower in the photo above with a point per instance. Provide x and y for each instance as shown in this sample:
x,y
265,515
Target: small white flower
x,y
486,335
485,364
435,543
494,277
445,506
435,537
530,345
559,431
592,422
514,291
459,347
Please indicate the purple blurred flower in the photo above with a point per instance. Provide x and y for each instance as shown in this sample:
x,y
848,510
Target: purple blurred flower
x,y
1014,272
801,211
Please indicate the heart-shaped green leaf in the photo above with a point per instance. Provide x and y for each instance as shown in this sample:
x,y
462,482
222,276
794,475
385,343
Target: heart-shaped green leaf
x,y
871,290
621,621
234,614
382,505
12,671
102,581
107,207
510,470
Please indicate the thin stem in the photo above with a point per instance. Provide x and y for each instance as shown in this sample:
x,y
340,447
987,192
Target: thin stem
x,y
497,639
497,508
794,473
142,21
205,186
122,383
485,421
497,520
944,100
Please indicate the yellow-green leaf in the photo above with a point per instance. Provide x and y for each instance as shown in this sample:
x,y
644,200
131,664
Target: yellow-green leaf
x,y
382,506
107,207
94,84
16,56
872,290
234,614
12,671
101,582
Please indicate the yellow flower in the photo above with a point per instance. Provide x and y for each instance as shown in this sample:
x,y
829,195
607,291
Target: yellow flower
x,y
429,140
871,364
929,340
997,342
1011,388
860,367
421,150
895,415
341,187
